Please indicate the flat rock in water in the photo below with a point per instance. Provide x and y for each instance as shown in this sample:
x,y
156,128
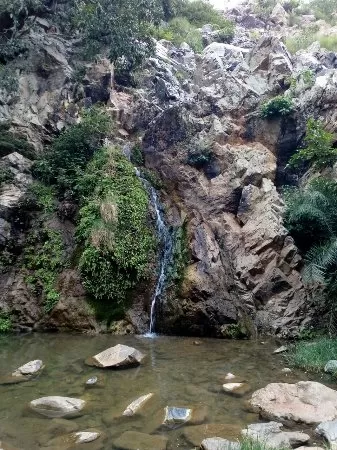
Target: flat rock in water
x,y
195,434
237,389
219,444
83,437
68,441
56,406
177,416
281,349
117,357
331,366
306,401
133,440
328,430
271,432
29,369
135,406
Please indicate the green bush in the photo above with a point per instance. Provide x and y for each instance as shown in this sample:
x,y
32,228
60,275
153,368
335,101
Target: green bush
x,y
318,150
313,356
199,157
6,176
277,107
179,30
180,257
201,12
66,160
324,9
44,197
44,259
5,323
114,228
10,142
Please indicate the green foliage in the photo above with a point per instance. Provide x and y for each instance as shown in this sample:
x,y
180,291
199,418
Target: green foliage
x,y
5,323
201,12
121,26
44,259
277,107
309,35
253,444
137,157
8,80
6,176
44,197
264,8
153,178
64,164
199,157
324,9
224,35
180,30
10,142
180,257
313,356
114,227
318,150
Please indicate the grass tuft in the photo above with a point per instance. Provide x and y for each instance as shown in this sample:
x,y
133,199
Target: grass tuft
x,y
313,356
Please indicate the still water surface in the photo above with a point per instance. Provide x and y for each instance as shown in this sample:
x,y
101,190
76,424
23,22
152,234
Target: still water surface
x,y
179,372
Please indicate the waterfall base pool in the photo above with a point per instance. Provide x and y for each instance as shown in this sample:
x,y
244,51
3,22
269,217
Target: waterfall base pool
x,y
181,372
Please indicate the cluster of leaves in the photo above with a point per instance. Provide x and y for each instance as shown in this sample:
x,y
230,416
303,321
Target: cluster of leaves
x,y
318,151
113,228
311,217
278,106
43,196
199,157
44,258
5,323
64,163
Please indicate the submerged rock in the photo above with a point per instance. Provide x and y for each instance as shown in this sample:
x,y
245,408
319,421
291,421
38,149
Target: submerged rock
x,y
117,357
219,444
306,401
136,405
133,440
271,432
194,435
30,369
56,406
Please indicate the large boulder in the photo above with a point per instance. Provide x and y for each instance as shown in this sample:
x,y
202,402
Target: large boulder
x,y
306,401
56,406
117,357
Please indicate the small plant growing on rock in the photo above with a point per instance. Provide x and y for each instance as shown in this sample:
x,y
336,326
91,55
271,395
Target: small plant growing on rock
x,y
199,157
279,106
5,323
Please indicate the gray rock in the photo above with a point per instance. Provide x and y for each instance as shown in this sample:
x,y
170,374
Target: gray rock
x,y
219,444
281,349
174,416
29,369
271,432
331,366
91,381
56,406
306,401
83,437
238,389
328,430
136,405
117,357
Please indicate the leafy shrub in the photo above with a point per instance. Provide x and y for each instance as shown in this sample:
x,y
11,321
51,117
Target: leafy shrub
x,y
224,35
5,323
137,157
44,197
114,228
324,9
10,142
6,176
65,161
277,107
201,12
199,157
44,258
318,150
180,30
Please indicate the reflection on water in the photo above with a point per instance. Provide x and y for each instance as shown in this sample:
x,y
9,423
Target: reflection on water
x,y
179,372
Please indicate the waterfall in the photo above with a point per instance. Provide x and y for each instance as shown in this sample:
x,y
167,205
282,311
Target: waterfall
x,y
166,245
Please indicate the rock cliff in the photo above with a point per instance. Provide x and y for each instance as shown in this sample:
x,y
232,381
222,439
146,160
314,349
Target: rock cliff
x,y
221,167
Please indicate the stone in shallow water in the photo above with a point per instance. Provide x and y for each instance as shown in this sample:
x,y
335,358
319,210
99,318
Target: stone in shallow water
x,y
133,440
328,430
237,389
176,416
281,349
230,376
331,366
83,437
219,444
91,381
136,405
306,401
271,432
117,357
194,435
56,406
29,369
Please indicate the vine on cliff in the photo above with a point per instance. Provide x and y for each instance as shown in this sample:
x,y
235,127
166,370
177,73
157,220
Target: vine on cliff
x,y
114,228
